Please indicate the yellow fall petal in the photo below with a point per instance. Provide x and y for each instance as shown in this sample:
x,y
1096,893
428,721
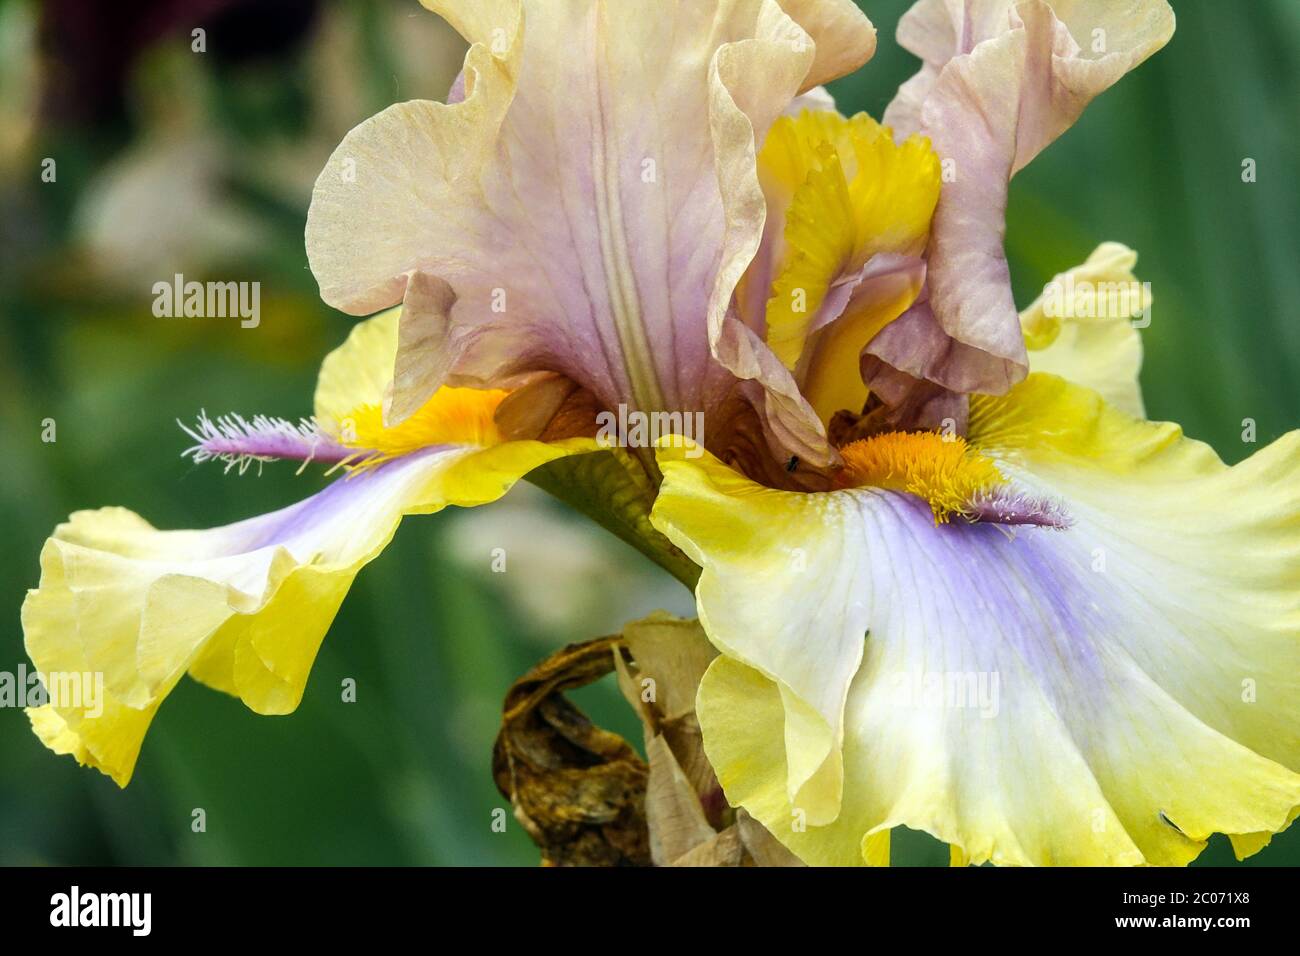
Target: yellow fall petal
x,y
744,713
1142,666
244,608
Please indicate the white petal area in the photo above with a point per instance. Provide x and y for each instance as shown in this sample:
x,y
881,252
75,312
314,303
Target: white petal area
x,y
997,710
1210,550
766,588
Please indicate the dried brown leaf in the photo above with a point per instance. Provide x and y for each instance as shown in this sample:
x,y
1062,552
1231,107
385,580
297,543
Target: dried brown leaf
x,y
578,790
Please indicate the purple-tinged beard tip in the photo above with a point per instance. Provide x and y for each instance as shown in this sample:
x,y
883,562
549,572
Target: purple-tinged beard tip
x,y
238,441
1009,507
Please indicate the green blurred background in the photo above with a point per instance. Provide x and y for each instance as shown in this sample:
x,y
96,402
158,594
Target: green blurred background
x,y
170,161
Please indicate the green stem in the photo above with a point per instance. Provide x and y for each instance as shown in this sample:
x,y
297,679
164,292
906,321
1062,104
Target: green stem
x,y
613,489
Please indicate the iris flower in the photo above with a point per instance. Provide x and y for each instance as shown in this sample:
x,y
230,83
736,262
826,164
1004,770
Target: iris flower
x,y
562,211
956,580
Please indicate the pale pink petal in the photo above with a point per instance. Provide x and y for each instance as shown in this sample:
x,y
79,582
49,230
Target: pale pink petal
x,y
571,201
1015,76
844,37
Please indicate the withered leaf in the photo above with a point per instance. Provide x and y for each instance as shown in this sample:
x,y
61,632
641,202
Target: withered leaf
x,y
586,797
673,812
578,790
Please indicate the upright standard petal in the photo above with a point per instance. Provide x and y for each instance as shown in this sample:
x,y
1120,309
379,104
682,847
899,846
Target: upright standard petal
x,y
1000,81
848,214
844,38
573,203
1111,692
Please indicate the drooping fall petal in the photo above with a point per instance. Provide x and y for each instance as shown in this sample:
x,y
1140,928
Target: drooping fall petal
x,y
1109,692
244,607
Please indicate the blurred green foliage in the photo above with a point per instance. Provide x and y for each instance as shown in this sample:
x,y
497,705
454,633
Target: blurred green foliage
x,y
402,775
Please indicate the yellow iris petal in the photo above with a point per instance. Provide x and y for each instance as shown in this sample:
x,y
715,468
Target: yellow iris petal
x,y
853,193
1145,658
1084,327
820,237
894,190
244,608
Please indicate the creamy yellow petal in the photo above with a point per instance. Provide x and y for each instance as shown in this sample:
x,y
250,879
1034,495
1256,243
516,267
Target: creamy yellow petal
x,y
441,147
843,36
243,608
1084,327
359,371
1112,693
743,713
